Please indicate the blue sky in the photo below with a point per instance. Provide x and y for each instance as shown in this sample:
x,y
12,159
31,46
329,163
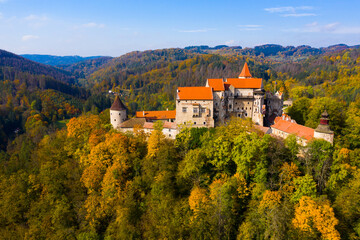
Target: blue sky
x,y
112,28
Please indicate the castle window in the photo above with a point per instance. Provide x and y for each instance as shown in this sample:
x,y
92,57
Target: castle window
x,y
235,103
250,108
248,103
114,120
119,114
204,123
216,104
195,110
194,123
110,113
184,123
169,135
239,115
169,130
245,114
202,110
246,108
242,108
184,109
230,106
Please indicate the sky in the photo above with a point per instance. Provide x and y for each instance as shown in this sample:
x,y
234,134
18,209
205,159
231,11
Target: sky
x,y
113,28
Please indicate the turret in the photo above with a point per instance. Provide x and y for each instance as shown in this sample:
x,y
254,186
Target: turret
x,y
118,113
245,73
323,131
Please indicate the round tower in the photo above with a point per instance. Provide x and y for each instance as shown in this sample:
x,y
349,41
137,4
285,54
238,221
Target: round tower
x,y
323,131
118,113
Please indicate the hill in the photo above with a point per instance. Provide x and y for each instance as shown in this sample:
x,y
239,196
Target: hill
x,y
56,60
15,63
84,68
29,89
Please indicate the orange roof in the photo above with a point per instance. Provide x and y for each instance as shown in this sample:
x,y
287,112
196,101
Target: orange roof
x,y
156,114
194,93
217,84
245,83
293,128
245,73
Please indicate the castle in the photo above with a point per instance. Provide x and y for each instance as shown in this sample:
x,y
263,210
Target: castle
x,y
212,105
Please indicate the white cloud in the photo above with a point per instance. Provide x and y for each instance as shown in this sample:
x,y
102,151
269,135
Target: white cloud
x,y
334,28
93,25
197,30
280,9
298,15
250,27
292,11
29,37
34,17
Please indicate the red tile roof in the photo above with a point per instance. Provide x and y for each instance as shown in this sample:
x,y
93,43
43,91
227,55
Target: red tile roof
x,y
217,84
156,114
293,128
245,83
195,93
245,72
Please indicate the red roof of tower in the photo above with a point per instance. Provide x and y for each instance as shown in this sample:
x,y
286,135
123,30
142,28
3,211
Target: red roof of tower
x,y
245,83
195,93
245,73
217,84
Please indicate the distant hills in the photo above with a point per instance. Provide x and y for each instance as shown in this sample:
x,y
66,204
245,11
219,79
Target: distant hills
x,y
56,60
272,50
17,64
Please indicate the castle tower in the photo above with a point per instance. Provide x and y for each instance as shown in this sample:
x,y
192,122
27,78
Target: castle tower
x,y
245,73
323,131
257,115
118,113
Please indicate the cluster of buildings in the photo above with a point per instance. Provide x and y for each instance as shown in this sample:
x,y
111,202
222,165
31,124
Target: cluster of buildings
x,y
215,103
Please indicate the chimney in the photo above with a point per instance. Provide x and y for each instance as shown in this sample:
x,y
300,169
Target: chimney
x,y
167,109
143,113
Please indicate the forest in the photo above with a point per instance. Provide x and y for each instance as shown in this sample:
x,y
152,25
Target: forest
x,y
68,175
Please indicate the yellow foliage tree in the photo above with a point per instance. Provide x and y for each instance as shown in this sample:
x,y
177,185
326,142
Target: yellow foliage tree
x,y
311,216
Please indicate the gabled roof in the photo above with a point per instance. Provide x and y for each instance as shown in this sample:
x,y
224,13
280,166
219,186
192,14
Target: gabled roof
x,y
245,82
117,105
132,122
245,73
150,125
194,93
217,84
293,128
156,114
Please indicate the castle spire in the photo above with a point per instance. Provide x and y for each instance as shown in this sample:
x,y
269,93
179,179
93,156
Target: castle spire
x,y
245,73
117,105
